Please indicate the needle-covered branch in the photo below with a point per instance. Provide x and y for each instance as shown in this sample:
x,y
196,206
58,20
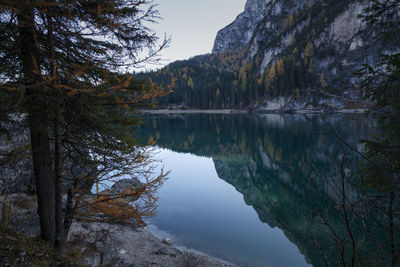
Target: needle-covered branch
x,y
64,64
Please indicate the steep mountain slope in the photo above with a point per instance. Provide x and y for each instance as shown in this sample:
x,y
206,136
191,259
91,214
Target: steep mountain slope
x,y
329,37
238,33
282,55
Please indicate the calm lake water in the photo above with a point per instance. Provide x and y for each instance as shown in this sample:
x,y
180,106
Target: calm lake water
x,y
242,187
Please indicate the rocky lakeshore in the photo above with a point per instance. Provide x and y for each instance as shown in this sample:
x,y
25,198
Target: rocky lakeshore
x,y
104,244
99,244
95,244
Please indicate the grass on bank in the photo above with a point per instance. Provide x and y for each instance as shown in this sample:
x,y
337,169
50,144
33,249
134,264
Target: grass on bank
x,y
17,249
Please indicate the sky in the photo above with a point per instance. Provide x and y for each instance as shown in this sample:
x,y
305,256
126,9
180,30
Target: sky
x,y
193,25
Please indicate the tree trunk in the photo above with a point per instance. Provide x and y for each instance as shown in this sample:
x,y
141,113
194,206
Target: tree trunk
x,y
59,236
58,188
38,119
69,213
43,174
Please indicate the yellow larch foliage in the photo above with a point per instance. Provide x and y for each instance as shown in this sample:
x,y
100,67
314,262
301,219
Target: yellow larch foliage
x,y
259,81
309,51
271,76
280,66
190,83
323,81
297,96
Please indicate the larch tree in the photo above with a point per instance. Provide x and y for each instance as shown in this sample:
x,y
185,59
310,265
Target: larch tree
x,y
323,82
280,66
190,83
271,77
309,51
64,64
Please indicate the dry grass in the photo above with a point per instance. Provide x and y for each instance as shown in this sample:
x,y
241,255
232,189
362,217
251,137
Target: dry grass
x,y
19,250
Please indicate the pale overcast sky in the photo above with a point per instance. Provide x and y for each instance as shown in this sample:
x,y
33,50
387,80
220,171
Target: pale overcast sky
x,y
193,24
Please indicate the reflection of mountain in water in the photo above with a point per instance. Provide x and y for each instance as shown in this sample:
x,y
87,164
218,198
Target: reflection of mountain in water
x,y
270,160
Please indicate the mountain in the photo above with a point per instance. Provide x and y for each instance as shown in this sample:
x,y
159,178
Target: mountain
x,y
281,55
237,34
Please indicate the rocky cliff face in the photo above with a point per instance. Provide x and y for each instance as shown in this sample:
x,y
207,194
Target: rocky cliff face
x,y
239,33
327,39
337,44
15,160
282,56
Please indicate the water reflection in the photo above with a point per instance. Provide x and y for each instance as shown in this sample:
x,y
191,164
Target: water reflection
x,y
276,162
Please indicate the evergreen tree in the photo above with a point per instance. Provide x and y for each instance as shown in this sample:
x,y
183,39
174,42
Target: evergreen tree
x,y
381,164
62,59
381,84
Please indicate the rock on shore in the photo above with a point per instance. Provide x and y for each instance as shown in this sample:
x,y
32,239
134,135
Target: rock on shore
x,y
125,246
100,244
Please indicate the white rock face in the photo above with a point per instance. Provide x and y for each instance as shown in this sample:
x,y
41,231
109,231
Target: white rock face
x,y
280,104
346,26
239,33
275,104
267,59
356,43
340,39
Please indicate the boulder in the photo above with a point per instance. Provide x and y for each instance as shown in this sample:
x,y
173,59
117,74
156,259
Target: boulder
x,y
126,185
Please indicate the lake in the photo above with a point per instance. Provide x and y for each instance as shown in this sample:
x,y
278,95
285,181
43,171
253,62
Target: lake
x,y
242,187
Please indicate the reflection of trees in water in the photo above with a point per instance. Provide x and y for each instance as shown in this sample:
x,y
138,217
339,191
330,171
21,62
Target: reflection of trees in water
x,y
285,167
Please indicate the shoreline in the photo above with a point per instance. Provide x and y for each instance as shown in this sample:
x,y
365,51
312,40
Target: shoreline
x,y
127,246
99,244
193,111
256,112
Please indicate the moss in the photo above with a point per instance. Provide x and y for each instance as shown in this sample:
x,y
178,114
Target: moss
x,y
19,250
26,203
5,212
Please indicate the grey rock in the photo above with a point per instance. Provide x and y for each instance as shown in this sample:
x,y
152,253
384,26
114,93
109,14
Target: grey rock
x,y
167,241
237,34
4,261
162,251
16,173
126,184
173,253
24,213
88,227
342,44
